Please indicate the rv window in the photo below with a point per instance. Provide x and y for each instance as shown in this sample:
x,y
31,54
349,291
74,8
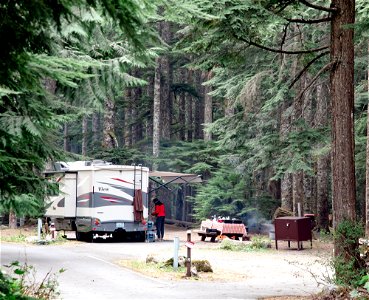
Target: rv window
x,y
53,189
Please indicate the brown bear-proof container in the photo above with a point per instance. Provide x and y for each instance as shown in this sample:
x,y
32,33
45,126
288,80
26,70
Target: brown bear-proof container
x,y
297,229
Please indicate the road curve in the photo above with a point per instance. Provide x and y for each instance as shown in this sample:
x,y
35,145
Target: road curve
x,y
92,274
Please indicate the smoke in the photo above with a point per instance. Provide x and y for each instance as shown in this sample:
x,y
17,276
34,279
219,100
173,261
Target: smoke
x,y
256,224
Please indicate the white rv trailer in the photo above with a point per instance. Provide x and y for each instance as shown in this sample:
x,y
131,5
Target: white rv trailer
x,y
98,198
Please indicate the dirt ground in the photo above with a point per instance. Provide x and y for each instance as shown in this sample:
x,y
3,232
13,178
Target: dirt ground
x,y
283,267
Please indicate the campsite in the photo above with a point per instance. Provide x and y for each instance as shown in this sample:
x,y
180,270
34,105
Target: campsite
x,y
240,125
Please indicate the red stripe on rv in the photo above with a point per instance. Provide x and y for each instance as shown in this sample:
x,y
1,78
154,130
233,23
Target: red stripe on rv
x,y
111,199
122,180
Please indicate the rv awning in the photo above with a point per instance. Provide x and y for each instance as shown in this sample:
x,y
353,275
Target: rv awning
x,y
172,177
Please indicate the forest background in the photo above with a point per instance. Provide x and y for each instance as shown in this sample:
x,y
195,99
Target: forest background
x,y
266,99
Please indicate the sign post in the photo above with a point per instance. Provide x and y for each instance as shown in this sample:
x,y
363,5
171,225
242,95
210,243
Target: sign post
x,y
39,228
188,262
175,257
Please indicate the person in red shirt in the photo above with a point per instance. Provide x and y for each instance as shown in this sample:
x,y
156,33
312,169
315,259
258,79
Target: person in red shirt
x,y
159,212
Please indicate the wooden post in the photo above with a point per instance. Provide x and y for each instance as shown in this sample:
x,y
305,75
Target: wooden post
x,y
188,262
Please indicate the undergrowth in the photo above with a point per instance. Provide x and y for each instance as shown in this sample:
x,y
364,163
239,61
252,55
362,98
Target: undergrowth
x,y
257,243
19,282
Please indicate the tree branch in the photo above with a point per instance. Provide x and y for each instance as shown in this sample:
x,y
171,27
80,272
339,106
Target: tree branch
x,y
284,35
322,70
306,67
318,7
280,51
303,21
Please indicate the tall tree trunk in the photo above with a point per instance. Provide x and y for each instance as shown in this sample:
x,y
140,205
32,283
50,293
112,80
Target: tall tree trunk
x,y
166,80
342,95
286,182
135,98
119,120
109,139
208,103
128,118
84,135
12,220
189,112
297,177
156,118
298,186
199,103
182,106
95,131
285,125
66,138
150,95
323,162
228,108
367,165
308,180
298,193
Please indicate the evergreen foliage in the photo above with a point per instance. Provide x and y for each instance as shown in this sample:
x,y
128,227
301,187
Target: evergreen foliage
x,y
30,114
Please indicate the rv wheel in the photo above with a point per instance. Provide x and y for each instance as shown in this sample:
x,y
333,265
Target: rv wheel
x,y
89,237
140,236
84,236
79,236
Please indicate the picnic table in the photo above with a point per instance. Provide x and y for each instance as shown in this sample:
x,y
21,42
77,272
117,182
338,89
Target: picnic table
x,y
212,229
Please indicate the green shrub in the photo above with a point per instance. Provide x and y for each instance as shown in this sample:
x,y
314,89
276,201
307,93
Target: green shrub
x,y
349,267
20,284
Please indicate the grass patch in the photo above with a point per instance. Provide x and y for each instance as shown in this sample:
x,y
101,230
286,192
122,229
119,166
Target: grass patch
x,y
156,270
257,243
19,238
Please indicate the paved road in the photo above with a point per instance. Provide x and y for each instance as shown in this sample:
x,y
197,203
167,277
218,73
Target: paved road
x,y
92,274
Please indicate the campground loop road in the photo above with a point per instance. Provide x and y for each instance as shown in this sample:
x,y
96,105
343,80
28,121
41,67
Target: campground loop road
x,y
92,273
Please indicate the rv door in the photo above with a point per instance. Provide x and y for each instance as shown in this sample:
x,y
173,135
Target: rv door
x,y
70,190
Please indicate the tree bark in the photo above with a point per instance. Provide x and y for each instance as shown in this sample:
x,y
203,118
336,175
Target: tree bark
x,y
150,95
95,131
135,98
286,182
182,106
323,162
156,118
109,139
84,134
189,112
66,138
166,80
128,118
297,181
208,103
367,166
199,107
228,108
12,220
308,180
342,95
